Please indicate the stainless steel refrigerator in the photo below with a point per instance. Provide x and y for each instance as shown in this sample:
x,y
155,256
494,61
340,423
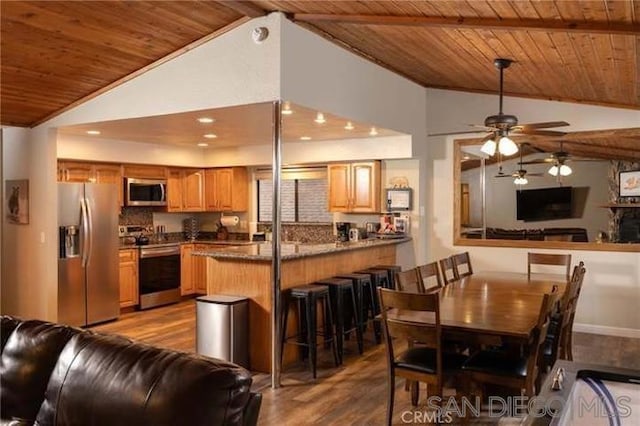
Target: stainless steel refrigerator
x,y
88,274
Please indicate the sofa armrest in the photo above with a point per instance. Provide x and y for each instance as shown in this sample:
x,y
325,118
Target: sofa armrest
x,y
252,409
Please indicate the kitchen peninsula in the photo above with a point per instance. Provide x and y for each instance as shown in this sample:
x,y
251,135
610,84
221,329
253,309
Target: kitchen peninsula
x,y
246,271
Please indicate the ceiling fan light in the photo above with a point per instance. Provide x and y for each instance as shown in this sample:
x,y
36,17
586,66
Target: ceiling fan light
x,y
506,146
553,171
489,147
565,170
521,181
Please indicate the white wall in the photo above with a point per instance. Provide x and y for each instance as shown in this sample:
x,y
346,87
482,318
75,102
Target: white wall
x,y
29,251
117,151
319,74
611,292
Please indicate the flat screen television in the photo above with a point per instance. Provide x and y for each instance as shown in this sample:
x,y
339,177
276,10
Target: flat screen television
x,y
544,203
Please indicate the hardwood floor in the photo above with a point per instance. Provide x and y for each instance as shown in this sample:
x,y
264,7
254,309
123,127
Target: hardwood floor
x,y
352,394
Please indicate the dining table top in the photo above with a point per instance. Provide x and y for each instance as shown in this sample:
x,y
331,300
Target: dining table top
x,y
503,304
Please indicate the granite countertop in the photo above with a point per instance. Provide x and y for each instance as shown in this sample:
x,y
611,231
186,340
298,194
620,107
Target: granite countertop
x,y
152,243
262,251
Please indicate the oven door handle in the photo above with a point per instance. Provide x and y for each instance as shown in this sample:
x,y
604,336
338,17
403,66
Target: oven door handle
x,y
159,252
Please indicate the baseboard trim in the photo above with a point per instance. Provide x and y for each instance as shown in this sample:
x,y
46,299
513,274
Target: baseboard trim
x,y
607,331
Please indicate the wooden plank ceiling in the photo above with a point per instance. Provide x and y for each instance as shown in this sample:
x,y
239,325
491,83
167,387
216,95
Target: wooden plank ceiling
x,y
55,54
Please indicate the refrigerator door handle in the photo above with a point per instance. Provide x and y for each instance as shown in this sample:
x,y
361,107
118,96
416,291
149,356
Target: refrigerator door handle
x,y
90,229
85,231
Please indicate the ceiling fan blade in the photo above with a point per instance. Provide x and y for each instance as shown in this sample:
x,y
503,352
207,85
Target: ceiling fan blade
x,y
536,174
541,161
455,133
545,125
540,132
501,176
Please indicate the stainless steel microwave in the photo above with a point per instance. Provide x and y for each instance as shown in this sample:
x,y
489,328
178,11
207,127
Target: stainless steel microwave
x,y
145,192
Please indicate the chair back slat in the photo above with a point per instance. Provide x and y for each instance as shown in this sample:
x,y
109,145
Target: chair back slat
x,y
449,271
549,259
430,275
409,281
406,304
462,263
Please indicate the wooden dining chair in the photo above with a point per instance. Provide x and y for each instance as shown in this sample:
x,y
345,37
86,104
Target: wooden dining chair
x,y
549,259
558,342
448,270
505,368
462,263
409,281
566,325
430,276
424,363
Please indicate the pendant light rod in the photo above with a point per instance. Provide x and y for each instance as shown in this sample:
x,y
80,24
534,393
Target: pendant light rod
x,y
501,64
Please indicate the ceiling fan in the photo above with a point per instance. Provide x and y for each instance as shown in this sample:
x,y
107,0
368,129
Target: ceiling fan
x,y
520,175
501,125
558,162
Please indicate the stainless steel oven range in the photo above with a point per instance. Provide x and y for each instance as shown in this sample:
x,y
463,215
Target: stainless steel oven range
x,y
159,275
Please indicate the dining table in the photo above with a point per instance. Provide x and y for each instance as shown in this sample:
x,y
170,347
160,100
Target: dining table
x,y
490,307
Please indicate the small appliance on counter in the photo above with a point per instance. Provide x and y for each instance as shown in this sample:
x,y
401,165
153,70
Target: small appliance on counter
x,y
342,231
357,234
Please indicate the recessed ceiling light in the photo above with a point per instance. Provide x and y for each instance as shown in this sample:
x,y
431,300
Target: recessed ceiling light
x,y
206,120
373,132
203,144
305,138
286,109
320,118
348,126
93,132
210,136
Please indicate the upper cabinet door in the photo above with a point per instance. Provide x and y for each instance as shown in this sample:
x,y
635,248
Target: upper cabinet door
x,y
227,189
108,173
339,176
174,190
365,186
76,172
193,191
224,189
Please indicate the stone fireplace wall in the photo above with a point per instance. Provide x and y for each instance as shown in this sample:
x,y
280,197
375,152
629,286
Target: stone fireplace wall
x,y
615,215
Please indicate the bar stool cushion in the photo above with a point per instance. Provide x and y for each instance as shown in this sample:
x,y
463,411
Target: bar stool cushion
x,y
424,360
497,363
308,289
344,282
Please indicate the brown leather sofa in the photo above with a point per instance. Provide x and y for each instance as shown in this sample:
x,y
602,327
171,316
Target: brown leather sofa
x,y
52,374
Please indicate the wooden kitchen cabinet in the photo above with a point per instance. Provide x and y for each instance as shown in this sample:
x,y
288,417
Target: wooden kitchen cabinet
x,y
129,295
186,270
144,172
199,274
185,190
226,189
193,278
354,187
71,171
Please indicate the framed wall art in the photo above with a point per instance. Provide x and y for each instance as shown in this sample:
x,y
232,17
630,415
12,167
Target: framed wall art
x,y
17,201
629,184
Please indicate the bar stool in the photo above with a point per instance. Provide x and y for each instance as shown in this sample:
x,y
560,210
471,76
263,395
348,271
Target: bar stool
x,y
308,296
337,289
391,272
379,279
362,285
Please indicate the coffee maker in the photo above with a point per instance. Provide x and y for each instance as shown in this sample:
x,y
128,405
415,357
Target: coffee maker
x,y
342,231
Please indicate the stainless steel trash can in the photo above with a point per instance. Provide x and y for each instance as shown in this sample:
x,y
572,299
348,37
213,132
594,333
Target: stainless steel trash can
x,y
222,328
